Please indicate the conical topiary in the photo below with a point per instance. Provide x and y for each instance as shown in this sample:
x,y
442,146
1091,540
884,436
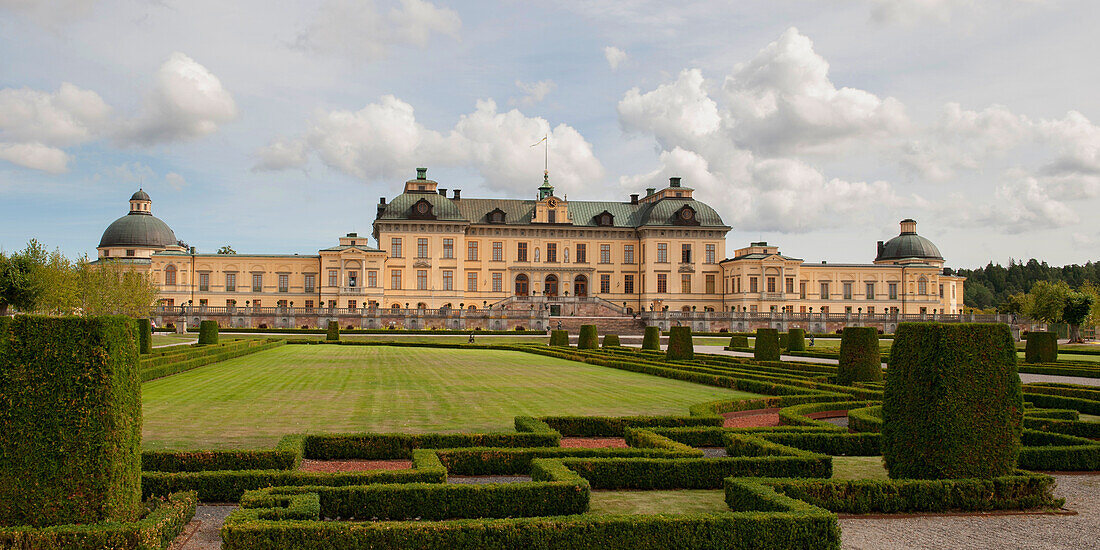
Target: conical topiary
x,y
860,360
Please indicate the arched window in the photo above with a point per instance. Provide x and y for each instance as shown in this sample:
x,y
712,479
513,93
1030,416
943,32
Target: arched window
x,y
170,275
421,306
922,286
395,307
522,285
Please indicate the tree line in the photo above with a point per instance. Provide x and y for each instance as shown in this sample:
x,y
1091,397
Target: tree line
x,y
35,280
990,286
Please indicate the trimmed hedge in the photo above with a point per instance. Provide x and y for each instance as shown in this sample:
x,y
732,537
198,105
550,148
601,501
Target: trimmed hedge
x,y
611,341
796,339
738,342
767,345
952,406
163,520
680,346
208,333
859,356
1019,491
1042,347
286,455
70,421
616,426
1057,452
588,338
380,446
145,336
559,338
652,339
333,332
427,331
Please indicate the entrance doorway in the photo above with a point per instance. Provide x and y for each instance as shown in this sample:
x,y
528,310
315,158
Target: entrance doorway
x,y
521,285
551,286
580,285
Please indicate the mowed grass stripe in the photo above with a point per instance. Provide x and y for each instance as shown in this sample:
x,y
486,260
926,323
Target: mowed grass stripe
x,y
252,401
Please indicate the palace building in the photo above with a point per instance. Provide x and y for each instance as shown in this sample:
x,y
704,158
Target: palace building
x,y
659,251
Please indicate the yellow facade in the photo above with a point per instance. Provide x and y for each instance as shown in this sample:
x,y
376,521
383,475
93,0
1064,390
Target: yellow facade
x,y
661,250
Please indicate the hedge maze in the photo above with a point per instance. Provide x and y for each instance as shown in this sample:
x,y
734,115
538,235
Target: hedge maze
x,y
776,480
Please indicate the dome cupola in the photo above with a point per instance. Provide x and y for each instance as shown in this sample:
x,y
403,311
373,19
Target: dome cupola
x,y
908,247
140,228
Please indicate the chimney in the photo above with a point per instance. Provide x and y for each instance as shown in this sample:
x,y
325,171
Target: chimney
x,y
442,192
421,173
353,234
457,194
633,198
382,201
674,182
649,191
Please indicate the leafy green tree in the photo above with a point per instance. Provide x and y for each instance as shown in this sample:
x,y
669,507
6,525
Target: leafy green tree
x,y
1093,290
20,285
226,250
1075,312
110,287
1018,304
1047,301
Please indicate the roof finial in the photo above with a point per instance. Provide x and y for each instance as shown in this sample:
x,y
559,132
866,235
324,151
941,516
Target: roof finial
x,y
546,190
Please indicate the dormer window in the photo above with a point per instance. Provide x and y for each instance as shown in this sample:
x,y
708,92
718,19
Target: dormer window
x,y
686,216
605,219
422,210
495,216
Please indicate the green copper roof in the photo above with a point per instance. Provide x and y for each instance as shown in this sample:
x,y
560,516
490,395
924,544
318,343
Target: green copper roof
x,y
138,229
401,206
908,245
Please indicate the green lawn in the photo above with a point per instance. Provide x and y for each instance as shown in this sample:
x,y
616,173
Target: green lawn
x,y
251,401
686,501
163,339
858,467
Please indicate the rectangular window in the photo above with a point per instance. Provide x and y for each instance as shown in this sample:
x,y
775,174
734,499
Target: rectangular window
x,y
257,282
605,283
169,302
582,253
847,291
628,284
685,253
230,282
203,302
311,282
395,279
230,303
771,284
422,248
256,304
870,310
662,253
710,284
395,248
710,253
552,216
893,288
685,284
471,251
605,253
941,291
790,285
351,304
333,277
754,285
448,279
824,291
372,278
204,282
870,291
284,283
309,304
802,290
422,279
498,251
551,252
521,252
448,248
628,254
662,283
498,282
471,281
130,252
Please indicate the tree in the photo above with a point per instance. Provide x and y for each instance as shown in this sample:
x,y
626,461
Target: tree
x,y
1075,312
109,287
1047,301
1092,289
20,285
1018,304
226,250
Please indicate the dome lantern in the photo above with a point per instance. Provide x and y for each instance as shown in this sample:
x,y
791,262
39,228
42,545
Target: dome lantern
x,y
140,203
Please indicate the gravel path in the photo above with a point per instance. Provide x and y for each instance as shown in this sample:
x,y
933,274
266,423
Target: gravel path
x,y
1025,378
206,537
1082,493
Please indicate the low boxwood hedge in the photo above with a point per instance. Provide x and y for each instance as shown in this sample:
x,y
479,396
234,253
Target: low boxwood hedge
x,y
162,521
380,446
615,426
286,455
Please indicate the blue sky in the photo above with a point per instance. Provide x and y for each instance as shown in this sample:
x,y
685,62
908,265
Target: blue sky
x,y
816,125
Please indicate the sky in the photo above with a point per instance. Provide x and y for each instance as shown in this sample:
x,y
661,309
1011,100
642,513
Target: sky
x,y
815,125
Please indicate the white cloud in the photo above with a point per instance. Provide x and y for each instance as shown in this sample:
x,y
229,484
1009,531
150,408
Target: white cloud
x,y
1021,203
357,29
35,156
914,11
187,102
175,181
69,116
614,56
677,113
534,92
49,12
384,141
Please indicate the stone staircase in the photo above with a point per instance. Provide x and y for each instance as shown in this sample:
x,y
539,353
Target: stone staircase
x,y
605,325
